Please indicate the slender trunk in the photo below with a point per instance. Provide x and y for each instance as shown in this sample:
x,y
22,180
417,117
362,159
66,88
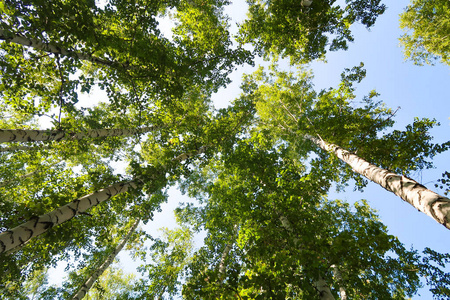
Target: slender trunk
x,y
23,148
49,48
222,260
225,252
426,201
323,289
5,183
19,135
340,282
90,281
37,171
21,234
320,284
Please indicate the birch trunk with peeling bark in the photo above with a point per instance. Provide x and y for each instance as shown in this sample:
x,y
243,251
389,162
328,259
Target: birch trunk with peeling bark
x,y
20,235
49,48
338,276
98,272
426,201
222,260
323,289
17,237
320,284
26,135
225,252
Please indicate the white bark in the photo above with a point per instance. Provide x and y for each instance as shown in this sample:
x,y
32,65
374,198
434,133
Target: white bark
x,y
323,289
21,234
306,3
187,155
49,48
91,280
320,284
15,238
340,282
225,252
426,201
26,135
222,260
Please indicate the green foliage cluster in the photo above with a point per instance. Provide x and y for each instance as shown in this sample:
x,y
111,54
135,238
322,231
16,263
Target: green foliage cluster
x,y
291,29
427,27
259,182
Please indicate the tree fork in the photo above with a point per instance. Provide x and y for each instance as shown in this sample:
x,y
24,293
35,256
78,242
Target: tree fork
x,y
426,201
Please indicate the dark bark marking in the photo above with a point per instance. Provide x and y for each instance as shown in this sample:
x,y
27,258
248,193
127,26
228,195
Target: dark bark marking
x,y
74,211
108,193
47,225
432,210
77,204
31,232
11,235
36,220
417,185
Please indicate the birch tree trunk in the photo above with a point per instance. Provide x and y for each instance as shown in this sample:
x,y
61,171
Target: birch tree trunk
x,y
320,284
37,171
222,260
5,183
21,234
224,255
26,135
91,280
340,282
323,289
49,48
426,201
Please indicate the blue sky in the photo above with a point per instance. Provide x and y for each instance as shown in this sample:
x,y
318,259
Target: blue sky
x,y
419,91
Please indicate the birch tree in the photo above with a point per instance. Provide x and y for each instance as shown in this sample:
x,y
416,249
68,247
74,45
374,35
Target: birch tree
x,y
426,201
38,225
118,46
328,121
113,283
24,135
250,175
83,290
21,234
261,189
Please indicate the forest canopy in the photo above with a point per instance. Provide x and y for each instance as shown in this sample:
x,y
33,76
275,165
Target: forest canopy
x,y
81,181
